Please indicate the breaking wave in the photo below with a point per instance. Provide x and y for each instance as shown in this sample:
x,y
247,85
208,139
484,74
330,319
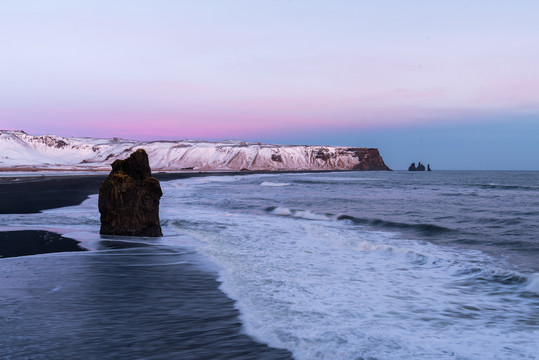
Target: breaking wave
x,y
423,228
327,291
532,283
426,229
274,184
507,187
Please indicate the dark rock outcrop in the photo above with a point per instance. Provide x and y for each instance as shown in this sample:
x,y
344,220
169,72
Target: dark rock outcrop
x,y
323,154
129,198
369,159
276,157
419,167
428,167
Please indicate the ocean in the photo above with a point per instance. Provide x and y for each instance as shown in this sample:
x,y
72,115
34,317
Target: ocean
x,y
342,265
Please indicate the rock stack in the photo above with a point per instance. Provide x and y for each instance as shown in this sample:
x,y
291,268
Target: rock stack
x,y
129,198
419,167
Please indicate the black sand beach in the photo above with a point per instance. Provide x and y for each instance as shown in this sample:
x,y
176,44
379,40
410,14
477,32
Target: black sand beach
x,y
31,242
31,194
26,195
140,303
147,302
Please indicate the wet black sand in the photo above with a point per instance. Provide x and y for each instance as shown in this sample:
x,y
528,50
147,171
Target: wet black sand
x,y
26,195
31,242
140,303
32,194
129,303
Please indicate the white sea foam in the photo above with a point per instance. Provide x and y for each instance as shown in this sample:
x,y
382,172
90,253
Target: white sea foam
x,y
202,180
309,215
56,288
343,179
275,184
303,214
332,290
281,211
533,283
329,290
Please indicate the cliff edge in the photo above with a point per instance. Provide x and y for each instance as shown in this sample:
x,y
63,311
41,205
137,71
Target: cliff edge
x,y
21,151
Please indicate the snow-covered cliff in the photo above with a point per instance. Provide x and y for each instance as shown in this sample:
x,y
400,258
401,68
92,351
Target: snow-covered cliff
x,y
19,151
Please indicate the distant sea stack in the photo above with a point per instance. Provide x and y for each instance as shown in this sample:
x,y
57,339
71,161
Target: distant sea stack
x,y
129,198
24,152
419,167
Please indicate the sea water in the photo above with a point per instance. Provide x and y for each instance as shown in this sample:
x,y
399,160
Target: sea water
x,y
346,265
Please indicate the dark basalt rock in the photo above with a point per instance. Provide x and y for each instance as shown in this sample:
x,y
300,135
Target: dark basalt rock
x,y
419,167
129,198
277,157
369,159
323,154
60,144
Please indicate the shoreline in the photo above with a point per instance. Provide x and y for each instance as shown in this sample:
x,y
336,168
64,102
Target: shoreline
x,y
17,243
27,194
498,272
41,193
177,302
32,194
123,302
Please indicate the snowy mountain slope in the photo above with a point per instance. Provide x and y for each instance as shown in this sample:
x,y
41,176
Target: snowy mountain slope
x,y
19,150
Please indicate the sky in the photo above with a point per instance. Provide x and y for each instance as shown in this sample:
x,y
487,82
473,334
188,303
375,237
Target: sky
x,y
450,83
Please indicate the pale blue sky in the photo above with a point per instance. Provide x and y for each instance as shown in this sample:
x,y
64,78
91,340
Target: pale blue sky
x,y
352,73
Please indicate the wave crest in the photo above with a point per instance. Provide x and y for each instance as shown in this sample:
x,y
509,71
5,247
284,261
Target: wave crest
x,y
274,184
